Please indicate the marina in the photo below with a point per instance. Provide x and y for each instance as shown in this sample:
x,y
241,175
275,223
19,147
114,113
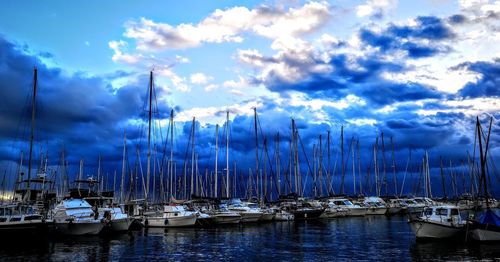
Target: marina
x,y
242,130
370,238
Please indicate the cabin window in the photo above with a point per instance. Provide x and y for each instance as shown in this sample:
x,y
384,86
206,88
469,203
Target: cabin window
x,y
441,212
15,219
3,219
454,212
428,212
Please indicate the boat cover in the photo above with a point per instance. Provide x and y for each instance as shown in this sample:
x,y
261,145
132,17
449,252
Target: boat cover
x,y
489,217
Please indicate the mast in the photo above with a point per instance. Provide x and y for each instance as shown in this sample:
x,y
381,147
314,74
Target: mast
x,y
359,169
442,176
100,180
216,157
148,170
342,150
32,136
192,156
328,174
384,164
171,171
353,167
278,166
122,182
394,169
320,165
256,150
227,154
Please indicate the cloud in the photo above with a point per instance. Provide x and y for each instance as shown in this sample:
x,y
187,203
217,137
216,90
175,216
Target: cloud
x,y
200,79
228,26
489,81
376,8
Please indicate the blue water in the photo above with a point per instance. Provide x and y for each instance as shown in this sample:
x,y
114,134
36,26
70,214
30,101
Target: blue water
x,y
373,238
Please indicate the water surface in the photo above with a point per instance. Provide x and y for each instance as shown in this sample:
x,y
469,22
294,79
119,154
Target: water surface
x,y
371,238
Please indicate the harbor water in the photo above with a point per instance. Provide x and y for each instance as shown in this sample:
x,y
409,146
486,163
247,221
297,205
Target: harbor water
x,y
370,238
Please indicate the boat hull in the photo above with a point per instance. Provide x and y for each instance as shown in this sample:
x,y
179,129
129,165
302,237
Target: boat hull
x,y
333,213
484,232
79,228
307,214
221,219
24,227
266,217
431,230
185,221
119,225
484,235
356,212
250,217
376,211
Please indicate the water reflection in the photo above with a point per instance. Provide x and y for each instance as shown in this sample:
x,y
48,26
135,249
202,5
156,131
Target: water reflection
x,y
364,238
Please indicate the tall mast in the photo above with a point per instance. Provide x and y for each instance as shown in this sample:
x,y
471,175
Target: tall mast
x,y
227,154
442,176
216,157
353,167
148,172
171,171
278,165
192,156
320,174
342,150
32,137
122,182
384,166
256,149
100,180
394,169
328,174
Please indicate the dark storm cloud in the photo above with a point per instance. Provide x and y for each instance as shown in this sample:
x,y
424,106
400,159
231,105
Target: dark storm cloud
x,y
82,112
488,85
406,38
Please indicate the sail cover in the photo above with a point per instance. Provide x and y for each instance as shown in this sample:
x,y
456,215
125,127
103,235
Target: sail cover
x,y
490,218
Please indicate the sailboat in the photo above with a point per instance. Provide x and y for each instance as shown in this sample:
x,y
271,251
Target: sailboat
x,y
24,215
487,227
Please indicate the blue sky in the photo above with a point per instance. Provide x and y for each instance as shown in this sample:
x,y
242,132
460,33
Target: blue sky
x,y
419,71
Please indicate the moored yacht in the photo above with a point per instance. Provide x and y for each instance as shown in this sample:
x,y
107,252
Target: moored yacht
x,y
438,222
173,216
115,217
333,211
249,212
487,228
76,217
352,209
21,219
223,215
375,206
